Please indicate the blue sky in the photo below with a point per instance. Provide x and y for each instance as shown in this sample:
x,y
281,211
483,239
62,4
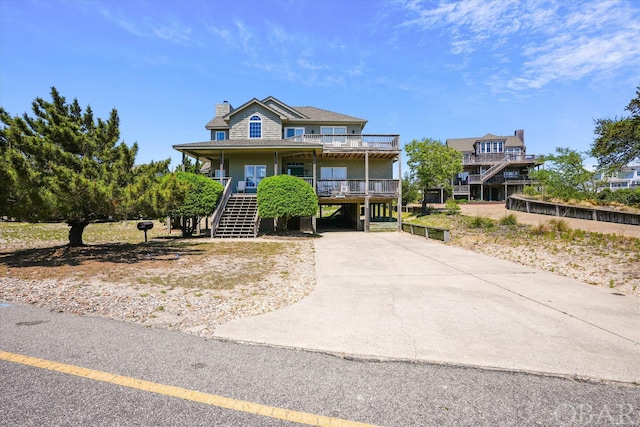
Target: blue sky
x,y
432,69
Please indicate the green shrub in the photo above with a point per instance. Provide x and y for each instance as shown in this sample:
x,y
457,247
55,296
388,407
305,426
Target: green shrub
x,y
560,225
285,197
529,191
509,220
452,207
189,195
481,222
541,228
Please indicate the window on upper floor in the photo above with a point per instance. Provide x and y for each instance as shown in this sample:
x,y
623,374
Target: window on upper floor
x,y
291,132
255,127
220,135
333,134
491,147
333,173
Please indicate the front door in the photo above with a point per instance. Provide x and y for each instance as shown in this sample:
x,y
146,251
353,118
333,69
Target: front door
x,y
253,174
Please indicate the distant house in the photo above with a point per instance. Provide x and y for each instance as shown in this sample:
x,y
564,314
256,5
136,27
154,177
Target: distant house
x,y
494,166
627,177
328,150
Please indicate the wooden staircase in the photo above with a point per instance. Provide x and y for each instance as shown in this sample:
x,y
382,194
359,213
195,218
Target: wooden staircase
x,y
494,170
239,218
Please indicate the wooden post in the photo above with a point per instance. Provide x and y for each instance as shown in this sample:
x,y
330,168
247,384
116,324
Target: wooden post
x,y
221,167
366,192
399,191
313,184
275,163
212,230
169,225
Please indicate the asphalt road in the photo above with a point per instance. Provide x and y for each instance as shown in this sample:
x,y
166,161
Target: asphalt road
x,y
375,392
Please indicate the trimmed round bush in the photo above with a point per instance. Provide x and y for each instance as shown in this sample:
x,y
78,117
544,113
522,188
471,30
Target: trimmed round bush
x,y
285,197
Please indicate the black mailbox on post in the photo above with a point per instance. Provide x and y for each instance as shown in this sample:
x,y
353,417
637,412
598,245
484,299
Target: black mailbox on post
x,y
144,226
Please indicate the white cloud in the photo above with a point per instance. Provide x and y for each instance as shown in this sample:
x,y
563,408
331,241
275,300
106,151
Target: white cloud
x,y
546,41
173,32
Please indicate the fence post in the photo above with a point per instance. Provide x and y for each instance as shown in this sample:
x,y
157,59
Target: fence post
x,y
447,236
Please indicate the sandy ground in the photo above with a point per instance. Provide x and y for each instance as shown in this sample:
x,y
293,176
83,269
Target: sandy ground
x,y
611,261
498,210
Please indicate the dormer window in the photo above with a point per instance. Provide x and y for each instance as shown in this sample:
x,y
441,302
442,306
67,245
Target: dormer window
x,y
221,135
255,127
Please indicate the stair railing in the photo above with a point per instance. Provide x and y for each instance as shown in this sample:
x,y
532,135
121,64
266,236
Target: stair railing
x,y
256,225
217,214
494,169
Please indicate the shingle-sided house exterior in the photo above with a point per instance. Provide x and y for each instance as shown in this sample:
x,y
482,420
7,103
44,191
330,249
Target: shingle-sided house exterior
x,y
494,167
328,150
626,178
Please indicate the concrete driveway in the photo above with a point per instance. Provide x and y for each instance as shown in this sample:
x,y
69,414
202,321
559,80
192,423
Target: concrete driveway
x,y
393,295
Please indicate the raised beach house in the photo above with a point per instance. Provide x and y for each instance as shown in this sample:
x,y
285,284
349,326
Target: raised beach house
x,y
494,166
626,178
328,150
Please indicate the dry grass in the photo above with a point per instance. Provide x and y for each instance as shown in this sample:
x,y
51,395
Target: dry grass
x,y
115,253
600,259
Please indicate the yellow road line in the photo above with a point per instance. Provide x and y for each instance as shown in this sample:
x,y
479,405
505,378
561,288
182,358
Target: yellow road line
x,y
181,393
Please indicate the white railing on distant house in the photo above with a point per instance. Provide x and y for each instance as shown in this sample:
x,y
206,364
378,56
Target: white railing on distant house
x,y
461,189
375,142
344,187
490,158
522,179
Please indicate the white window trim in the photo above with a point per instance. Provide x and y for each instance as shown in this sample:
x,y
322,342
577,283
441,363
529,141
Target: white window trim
x,y
333,168
224,134
255,168
294,130
254,121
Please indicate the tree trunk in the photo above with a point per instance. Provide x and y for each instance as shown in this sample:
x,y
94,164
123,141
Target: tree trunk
x,y
425,211
282,223
75,232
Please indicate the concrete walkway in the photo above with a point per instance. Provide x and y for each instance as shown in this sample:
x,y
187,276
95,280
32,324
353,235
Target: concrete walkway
x,y
393,295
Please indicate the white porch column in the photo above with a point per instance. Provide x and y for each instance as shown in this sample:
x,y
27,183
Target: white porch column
x,y
275,163
221,166
366,192
313,184
399,192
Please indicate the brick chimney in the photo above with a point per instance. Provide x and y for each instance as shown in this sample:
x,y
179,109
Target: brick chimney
x,y
520,134
223,109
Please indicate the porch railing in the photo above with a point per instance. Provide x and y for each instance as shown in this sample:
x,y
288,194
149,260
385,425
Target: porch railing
x,y
375,142
500,179
461,189
491,158
332,187
222,180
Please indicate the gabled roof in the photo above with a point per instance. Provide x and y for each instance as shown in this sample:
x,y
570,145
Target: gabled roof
x,y
217,123
468,144
254,101
287,114
320,115
284,109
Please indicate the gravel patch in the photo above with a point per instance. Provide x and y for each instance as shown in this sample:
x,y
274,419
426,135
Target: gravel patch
x,y
122,291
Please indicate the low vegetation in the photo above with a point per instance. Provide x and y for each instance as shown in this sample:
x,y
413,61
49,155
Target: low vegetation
x,y
116,252
551,245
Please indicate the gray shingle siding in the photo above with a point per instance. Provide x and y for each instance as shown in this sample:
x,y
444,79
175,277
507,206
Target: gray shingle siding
x,y
239,124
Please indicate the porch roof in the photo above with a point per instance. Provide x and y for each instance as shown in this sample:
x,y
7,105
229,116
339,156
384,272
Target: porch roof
x,y
246,144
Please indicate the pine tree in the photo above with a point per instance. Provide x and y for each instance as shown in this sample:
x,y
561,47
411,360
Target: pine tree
x,y
61,164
